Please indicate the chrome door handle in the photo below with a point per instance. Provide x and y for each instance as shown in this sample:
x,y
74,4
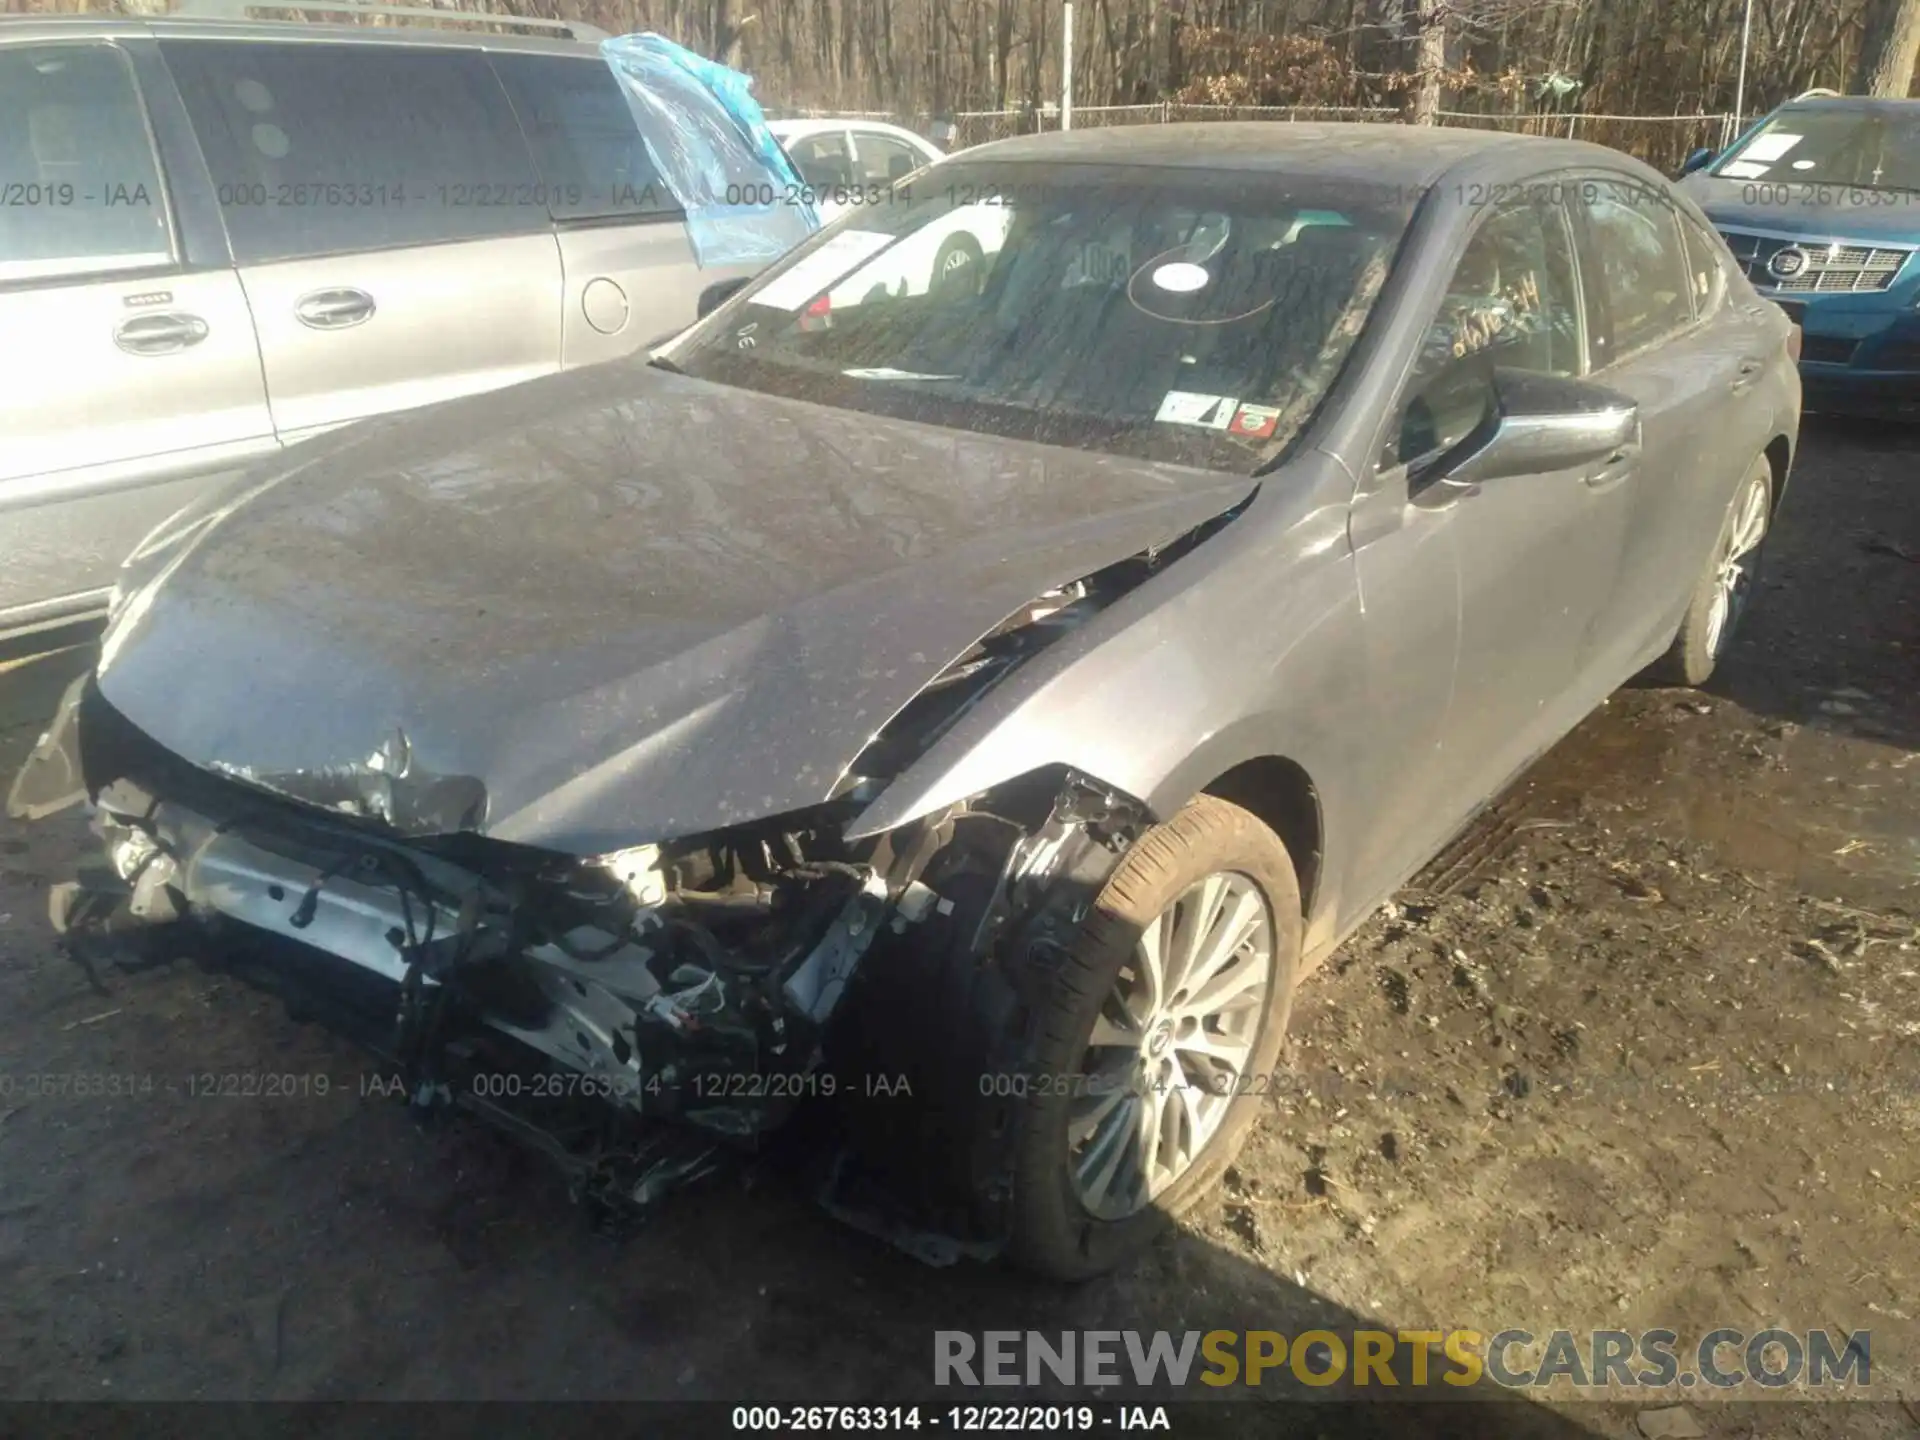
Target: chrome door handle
x,y
1615,468
334,309
159,334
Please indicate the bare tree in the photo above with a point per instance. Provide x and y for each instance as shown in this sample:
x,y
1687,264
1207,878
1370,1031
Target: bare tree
x,y
1531,64
1427,31
1891,49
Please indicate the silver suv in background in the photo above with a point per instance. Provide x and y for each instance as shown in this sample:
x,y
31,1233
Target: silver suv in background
x,y
219,238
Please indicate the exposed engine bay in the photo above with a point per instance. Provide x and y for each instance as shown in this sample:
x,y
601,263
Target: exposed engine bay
x,y
636,1015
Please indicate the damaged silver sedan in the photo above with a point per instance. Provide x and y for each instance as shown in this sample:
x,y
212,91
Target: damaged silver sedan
x,y
965,711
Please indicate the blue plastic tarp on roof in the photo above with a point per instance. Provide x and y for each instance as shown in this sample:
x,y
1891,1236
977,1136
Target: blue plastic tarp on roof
x,y
710,143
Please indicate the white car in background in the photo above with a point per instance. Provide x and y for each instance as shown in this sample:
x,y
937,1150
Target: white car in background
x,y
838,157
852,164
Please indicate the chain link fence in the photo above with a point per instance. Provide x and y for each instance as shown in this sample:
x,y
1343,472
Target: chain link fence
x,y
1663,141
976,127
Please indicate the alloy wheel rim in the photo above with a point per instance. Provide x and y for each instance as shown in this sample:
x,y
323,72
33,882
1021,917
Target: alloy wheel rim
x,y
1172,1044
953,272
1733,582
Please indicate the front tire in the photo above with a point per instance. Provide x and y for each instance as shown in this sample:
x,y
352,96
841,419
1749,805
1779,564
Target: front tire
x,y
1165,1021
1725,586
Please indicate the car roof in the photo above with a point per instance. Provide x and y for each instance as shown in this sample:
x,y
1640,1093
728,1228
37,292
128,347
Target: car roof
x,y
1868,103
1383,152
801,126
812,124
23,28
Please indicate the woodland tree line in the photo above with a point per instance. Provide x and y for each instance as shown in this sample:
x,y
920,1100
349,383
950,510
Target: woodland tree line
x,y
1621,56
1494,58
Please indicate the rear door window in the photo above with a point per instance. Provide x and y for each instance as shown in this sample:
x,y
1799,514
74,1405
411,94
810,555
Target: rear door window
x,y
824,161
319,149
1644,271
80,189
592,162
883,159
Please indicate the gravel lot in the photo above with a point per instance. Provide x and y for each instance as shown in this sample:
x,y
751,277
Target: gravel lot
x,y
1643,1050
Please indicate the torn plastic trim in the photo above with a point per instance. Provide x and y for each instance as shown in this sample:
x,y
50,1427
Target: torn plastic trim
x,y
1055,871
51,779
386,787
1025,864
1053,878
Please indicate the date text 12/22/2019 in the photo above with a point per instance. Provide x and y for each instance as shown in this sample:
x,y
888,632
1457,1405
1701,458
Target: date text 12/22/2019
x,y
955,1419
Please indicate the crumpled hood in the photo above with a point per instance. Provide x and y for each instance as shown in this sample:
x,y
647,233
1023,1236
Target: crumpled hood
x,y
610,606
1789,208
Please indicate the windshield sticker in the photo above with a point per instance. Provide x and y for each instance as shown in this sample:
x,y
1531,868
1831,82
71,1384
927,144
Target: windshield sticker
x,y
816,272
1770,147
1745,170
1181,278
1254,422
1099,265
1184,407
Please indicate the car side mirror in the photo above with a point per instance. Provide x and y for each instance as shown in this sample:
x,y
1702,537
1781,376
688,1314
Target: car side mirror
x,y
1543,425
1698,160
716,295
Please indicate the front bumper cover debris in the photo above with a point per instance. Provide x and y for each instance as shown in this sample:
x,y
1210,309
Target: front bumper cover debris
x,y
638,1017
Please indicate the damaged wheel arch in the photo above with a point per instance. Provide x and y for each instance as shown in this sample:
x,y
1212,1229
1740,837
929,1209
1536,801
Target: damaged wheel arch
x,y
980,1027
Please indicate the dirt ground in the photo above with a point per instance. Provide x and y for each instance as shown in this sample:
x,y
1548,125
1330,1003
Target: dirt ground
x,y
1643,1050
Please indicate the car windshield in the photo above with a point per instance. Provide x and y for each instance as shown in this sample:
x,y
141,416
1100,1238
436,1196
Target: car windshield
x,y
1820,145
1198,319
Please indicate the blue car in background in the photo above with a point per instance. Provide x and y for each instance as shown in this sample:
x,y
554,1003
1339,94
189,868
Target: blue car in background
x,y
1820,201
